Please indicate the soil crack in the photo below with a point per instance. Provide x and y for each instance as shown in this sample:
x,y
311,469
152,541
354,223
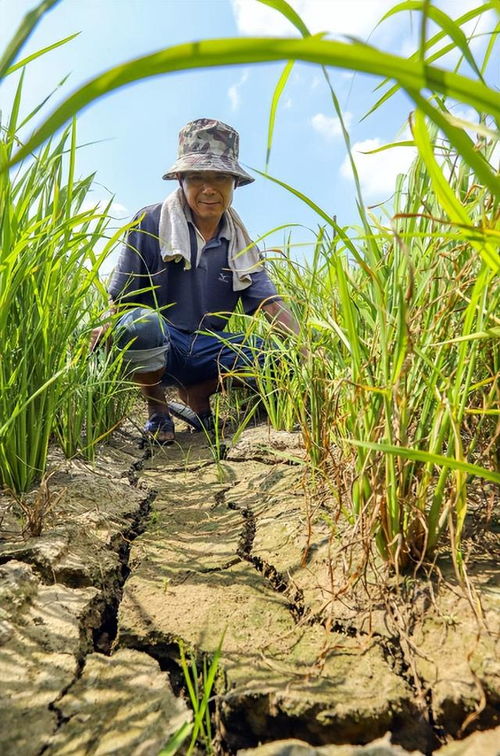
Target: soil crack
x,y
61,719
105,634
392,650
278,580
270,461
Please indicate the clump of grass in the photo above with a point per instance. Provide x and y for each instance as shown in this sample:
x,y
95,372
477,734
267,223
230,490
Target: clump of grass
x,y
50,291
200,688
402,331
36,506
400,321
95,399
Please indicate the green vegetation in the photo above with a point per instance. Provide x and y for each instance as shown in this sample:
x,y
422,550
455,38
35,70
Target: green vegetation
x,y
400,388
397,397
50,297
200,688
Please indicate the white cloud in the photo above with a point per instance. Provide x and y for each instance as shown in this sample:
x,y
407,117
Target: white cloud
x,y
477,31
116,209
254,18
234,92
356,17
329,126
234,96
378,172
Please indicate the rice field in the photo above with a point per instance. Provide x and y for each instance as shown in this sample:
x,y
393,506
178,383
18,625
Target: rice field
x,y
393,381
397,399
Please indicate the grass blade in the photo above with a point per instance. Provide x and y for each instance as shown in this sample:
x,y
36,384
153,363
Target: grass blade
x,y
286,10
278,91
22,34
435,459
38,53
208,53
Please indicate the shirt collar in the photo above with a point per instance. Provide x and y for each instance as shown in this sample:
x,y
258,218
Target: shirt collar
x,y
201,244
223,233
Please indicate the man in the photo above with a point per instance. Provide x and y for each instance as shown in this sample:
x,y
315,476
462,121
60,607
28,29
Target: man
x,y
184,268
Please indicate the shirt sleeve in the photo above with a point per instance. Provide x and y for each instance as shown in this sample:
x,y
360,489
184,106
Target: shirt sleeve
x,y
261,290
132,271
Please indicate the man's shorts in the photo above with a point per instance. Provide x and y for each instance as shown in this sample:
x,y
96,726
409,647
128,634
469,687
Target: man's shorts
x,y
151,343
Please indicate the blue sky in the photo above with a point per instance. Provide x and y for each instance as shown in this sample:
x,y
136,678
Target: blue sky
x,y
134,131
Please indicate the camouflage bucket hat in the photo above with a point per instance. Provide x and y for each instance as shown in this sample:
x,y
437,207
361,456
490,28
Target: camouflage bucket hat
x,y
208,145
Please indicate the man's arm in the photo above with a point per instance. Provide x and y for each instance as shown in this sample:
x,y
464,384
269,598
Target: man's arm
x,y
279,315
131,271
101,332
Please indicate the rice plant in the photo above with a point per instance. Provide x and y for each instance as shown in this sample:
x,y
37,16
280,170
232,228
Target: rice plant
x,y
95,398
200,688
400,379
50,292
405,314
402,326
399,392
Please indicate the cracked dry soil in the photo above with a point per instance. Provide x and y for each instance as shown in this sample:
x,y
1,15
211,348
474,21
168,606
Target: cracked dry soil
x,y
145,550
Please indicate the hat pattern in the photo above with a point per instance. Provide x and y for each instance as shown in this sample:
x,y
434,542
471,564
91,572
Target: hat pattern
x,y
209,145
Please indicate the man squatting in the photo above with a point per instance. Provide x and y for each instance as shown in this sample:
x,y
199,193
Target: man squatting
x,y
183,269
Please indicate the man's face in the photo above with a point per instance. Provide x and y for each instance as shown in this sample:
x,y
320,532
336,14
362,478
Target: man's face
x,y
208,193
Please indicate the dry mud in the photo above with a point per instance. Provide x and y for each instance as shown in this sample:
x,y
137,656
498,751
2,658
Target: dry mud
x,y
146,550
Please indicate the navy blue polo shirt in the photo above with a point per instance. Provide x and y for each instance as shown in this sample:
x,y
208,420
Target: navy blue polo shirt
x,y
199,298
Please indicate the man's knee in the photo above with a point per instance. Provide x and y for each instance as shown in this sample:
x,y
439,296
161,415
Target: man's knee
x,y
144,336
141,328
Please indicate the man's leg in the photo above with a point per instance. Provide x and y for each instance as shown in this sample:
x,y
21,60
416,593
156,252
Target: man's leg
x,y
198,396
149,342
154,393
209,361
152,390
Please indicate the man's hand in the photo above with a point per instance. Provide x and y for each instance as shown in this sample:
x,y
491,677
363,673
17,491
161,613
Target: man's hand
x,y
280,316
101,333
97,335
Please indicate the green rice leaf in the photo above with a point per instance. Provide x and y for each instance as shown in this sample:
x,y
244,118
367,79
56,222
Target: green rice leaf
x,y
478,128
355,56
422,456
317,209
491,45
493,333
406,143
446,195
177,740
466,17
39,53
396,87
40,105
14,114
440,18
27,25
278,91
286,10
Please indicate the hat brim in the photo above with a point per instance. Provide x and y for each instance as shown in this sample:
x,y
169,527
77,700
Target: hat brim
x,y
196,161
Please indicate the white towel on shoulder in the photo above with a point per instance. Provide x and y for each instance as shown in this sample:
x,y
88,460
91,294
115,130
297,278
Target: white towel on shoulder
x,y
243,255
